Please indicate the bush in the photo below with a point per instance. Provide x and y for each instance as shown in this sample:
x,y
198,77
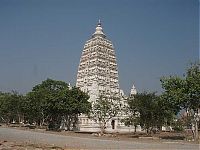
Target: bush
x,y
178,128
177,137
53,127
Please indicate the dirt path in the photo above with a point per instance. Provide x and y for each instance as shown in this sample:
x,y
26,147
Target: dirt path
x,y
70,141
8,145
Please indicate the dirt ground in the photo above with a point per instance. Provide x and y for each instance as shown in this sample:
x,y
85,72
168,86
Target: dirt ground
x,y
185,137
8,145
139,136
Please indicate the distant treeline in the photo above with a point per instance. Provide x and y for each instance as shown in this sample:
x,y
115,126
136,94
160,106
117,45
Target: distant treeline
x,y
53,102
48,103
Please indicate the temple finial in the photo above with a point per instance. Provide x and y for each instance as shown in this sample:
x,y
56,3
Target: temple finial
x,y
99,23
99,30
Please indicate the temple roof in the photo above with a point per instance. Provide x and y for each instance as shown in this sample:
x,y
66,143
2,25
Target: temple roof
x,y
99,30
133,90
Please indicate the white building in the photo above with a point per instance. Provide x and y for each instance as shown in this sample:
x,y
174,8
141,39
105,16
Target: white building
x,y
97,72
133,91
98,75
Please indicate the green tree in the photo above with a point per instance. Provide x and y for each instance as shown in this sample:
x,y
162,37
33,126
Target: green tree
x,y
78,103
49,103
148,110
184,92
72,103
43,102
4,105
103,110
11,107
35,108
132,115
52,102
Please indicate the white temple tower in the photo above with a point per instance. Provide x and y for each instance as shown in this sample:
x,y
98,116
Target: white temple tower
x,y
97,72
98,75
133,91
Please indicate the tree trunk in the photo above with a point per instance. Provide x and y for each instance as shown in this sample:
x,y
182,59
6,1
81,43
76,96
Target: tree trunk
x,y
102,127
68,122
75,122
196,134
19,118
148,131
196,120
135,128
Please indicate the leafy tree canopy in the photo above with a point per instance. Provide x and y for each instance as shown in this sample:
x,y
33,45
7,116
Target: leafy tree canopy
x,y
184,92
148,110
104,109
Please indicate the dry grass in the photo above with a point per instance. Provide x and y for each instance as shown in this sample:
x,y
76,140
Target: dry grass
x,y
8,145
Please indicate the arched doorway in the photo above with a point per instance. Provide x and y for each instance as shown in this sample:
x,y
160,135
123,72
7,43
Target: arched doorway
x,y
113,124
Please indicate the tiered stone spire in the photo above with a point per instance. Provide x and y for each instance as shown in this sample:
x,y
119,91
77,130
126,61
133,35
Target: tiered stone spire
x,y
97,72
133,91
98,75
99,30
